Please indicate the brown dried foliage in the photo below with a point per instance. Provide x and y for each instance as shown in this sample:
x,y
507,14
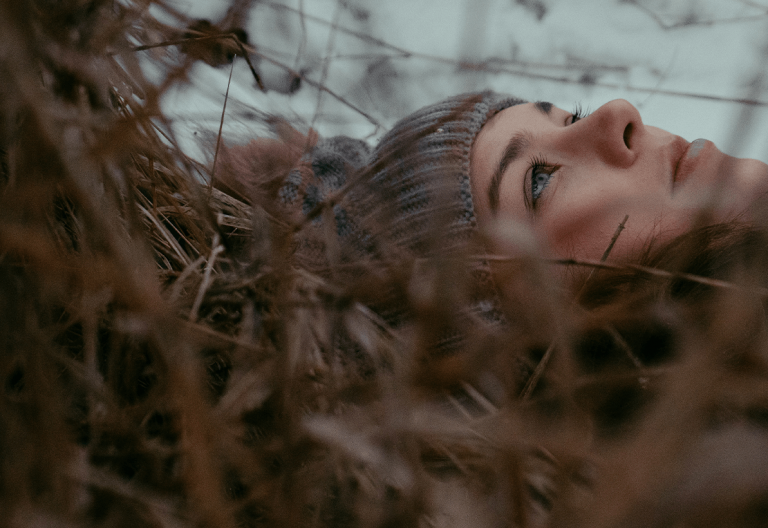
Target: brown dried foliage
x,y
167,359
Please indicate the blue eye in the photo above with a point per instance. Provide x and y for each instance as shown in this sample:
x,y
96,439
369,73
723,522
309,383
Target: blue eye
x,y
539,179
541,174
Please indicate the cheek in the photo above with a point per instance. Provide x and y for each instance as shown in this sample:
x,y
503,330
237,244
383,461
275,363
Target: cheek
x,y
584,229
582,236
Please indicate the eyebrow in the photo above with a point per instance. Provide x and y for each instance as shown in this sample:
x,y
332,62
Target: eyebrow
x,y
516,146
543,107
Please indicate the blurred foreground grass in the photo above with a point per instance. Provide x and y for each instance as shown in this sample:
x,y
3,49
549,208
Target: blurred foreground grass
x,y
167,357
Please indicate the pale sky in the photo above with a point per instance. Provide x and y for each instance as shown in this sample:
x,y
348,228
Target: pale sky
x,y
677,61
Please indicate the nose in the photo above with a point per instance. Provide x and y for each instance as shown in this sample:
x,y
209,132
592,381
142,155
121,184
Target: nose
x,y
611,133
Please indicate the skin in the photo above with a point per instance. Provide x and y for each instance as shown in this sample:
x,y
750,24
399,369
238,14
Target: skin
x,y
601,168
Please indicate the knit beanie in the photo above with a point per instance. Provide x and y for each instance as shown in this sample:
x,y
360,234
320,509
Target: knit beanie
x,y
408,200
414,185
421,169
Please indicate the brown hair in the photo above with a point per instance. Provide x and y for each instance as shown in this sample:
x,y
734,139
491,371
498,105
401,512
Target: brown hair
x,y
730,251
699,292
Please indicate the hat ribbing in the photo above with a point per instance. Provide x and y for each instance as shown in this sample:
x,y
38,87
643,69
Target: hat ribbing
x,y
411,195
420,169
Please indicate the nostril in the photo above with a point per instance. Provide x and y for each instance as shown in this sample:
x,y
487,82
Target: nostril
x,y
628,135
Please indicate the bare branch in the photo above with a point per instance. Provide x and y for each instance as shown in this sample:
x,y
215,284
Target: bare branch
x,y
221,126
692,21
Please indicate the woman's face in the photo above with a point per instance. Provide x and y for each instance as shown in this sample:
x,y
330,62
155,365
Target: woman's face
x,y
576,178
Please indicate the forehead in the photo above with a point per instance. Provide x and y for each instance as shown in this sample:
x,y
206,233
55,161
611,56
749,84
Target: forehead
x,y
496,132
492,140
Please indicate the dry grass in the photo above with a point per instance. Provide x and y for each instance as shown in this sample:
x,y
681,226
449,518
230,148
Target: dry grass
x,y
168,358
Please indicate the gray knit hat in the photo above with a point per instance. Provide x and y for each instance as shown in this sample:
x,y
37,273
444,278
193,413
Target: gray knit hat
x,y
412,193
411,196
420,170
413,185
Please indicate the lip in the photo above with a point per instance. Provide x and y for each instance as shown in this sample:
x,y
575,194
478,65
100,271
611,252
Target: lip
x,y
678,149
689,159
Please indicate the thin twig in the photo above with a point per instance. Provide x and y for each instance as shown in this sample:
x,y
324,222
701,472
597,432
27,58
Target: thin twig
x,y
693,22
179,282
662,79
716,283
303,40
538,372
481,400
197,327
176,42
614,238
611,330
320,86
171,241
259,82
625,347
217,248
247,58
221,127
486,67
327,59
606,253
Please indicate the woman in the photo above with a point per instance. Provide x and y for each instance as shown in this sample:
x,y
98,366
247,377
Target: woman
x,y
490,164
403,228
581,179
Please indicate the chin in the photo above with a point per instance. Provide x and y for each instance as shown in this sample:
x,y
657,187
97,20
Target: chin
x,y
731,188
749,190
752,170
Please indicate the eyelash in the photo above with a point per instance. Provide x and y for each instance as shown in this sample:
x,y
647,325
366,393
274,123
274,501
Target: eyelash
x,y
578,113
539,165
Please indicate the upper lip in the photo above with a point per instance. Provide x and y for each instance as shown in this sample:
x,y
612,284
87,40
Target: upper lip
x,y
679,147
